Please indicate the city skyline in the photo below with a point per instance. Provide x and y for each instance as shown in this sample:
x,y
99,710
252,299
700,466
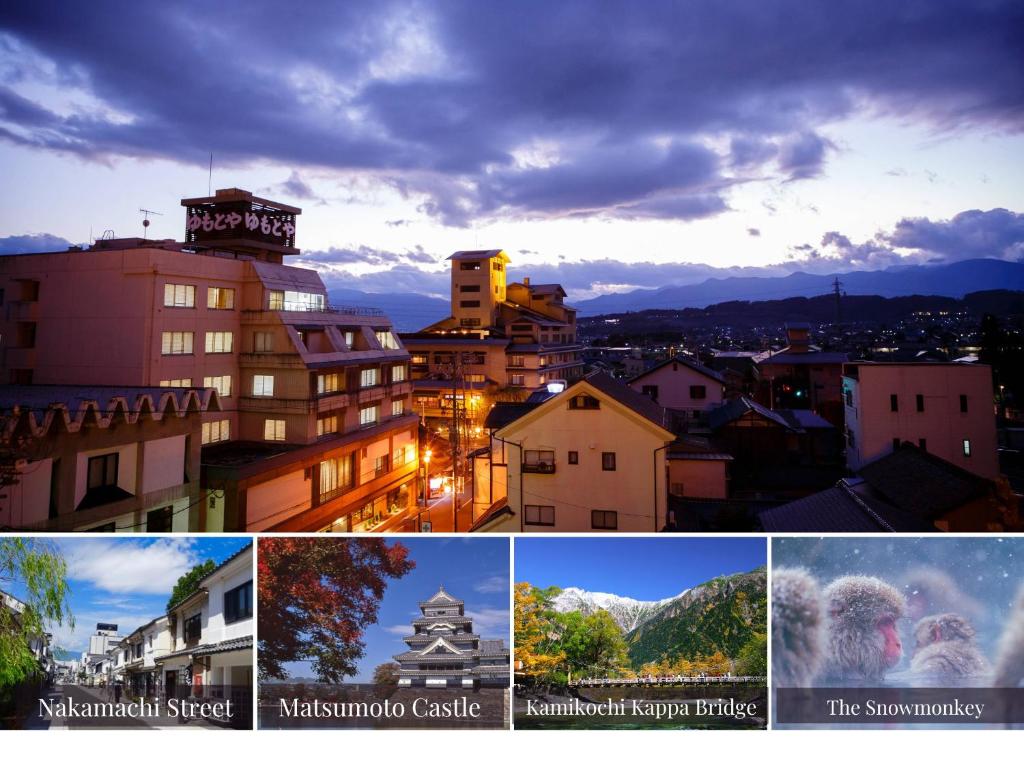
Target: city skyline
x,y
601,147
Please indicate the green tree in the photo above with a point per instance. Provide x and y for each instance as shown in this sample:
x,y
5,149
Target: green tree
x,y
752,658
41,572
189,583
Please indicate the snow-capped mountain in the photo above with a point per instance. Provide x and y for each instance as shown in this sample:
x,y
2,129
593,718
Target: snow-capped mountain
x,y
627,612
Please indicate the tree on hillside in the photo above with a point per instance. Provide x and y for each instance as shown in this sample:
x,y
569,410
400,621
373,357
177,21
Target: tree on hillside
x,y
316,596
753,656
593,645
536,637
189,583
41,572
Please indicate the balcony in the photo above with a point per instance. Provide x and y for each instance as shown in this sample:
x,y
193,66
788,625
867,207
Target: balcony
x,y
270,360
371,394
332,401
265,315
539,467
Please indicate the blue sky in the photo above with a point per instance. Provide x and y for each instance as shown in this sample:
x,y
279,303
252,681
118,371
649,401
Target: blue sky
x,y
637,567
126,580
472,568
595,142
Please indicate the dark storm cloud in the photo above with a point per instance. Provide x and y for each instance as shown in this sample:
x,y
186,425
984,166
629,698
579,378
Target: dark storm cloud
x,y
527,109
998,233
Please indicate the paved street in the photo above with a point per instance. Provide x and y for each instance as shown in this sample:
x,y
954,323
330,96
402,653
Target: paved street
x,y
439,513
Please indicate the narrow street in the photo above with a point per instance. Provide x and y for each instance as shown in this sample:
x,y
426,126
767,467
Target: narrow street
x,y
439,513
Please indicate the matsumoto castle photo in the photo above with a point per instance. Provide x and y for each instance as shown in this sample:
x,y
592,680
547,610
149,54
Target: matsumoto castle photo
x,y
444,652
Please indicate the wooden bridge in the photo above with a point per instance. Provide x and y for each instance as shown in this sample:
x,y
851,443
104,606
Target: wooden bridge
x,y
668,680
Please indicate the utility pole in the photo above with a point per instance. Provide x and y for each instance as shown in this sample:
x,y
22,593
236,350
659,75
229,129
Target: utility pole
x,y
836,288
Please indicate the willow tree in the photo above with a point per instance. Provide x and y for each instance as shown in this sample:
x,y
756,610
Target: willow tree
x,y
37,571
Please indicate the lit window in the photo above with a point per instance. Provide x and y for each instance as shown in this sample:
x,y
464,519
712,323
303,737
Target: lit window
x,y
221,383
296,301
273,429
216,431
967,448
262,386
220,298
369,377
218,342
335,476
397,407
397,373
176,382
369,415
328,382
387,340
176,343
263,341
326,426
350,338
179,295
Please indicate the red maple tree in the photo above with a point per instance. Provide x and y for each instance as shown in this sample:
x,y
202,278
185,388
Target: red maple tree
x,y
316,596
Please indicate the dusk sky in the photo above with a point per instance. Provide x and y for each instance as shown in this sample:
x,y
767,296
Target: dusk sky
x,y
637,567
125,580
604,145
472,568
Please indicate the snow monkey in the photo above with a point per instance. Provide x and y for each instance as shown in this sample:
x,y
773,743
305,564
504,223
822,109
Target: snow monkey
x,y
1009,667
945,649
798,628
930,590
863,641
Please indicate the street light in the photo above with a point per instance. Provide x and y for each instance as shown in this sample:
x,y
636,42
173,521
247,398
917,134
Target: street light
x,y
426,485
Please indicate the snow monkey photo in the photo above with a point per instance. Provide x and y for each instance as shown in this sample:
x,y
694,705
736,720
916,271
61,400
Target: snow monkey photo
x,y
897,612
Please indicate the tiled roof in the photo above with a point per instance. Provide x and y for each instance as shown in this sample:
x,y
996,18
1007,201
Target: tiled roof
x,y
803,419
693,365
473,255
840,509
735,409
211,649
640,404
492,647
505,413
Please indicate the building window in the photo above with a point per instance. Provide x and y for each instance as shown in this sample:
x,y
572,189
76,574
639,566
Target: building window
x,y
381,465
336,476
176,343
328,382
469,289
894,403
387,340
584,403
262,385
179,295
542,462
475,378
848,395
538,515
604,520
517,380
423,359
193,628
296,301
328,425
216,431
220,298
469,266
608,461
218,342
516,361
369,377
967,448
369,416
397,407
469,303
397,373
263,341
273,429
963,403
922,443
651,390
238,603
574,457
698,392
920,403
221,383
103,471
175,382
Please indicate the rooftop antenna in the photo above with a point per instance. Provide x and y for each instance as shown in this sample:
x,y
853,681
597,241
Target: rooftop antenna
x,y
146,222
836,286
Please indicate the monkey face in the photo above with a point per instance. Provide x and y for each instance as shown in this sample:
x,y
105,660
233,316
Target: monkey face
x,y
892,647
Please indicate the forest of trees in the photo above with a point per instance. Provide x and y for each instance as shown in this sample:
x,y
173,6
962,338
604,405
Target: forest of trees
x,y
553,648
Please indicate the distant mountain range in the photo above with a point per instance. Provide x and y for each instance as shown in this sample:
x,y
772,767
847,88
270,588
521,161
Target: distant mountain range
x,y
412,311
407,311
955,280
719,615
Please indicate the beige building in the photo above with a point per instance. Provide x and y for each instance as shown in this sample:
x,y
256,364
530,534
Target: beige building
x,y
591,458
103,458
945,409
315,428
501,341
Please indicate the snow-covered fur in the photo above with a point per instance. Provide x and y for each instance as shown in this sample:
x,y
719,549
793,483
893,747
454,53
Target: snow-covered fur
x,y
945,650
798,628
856,649
1009,667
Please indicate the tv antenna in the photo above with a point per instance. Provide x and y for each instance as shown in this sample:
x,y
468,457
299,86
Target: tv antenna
x,y
146,222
